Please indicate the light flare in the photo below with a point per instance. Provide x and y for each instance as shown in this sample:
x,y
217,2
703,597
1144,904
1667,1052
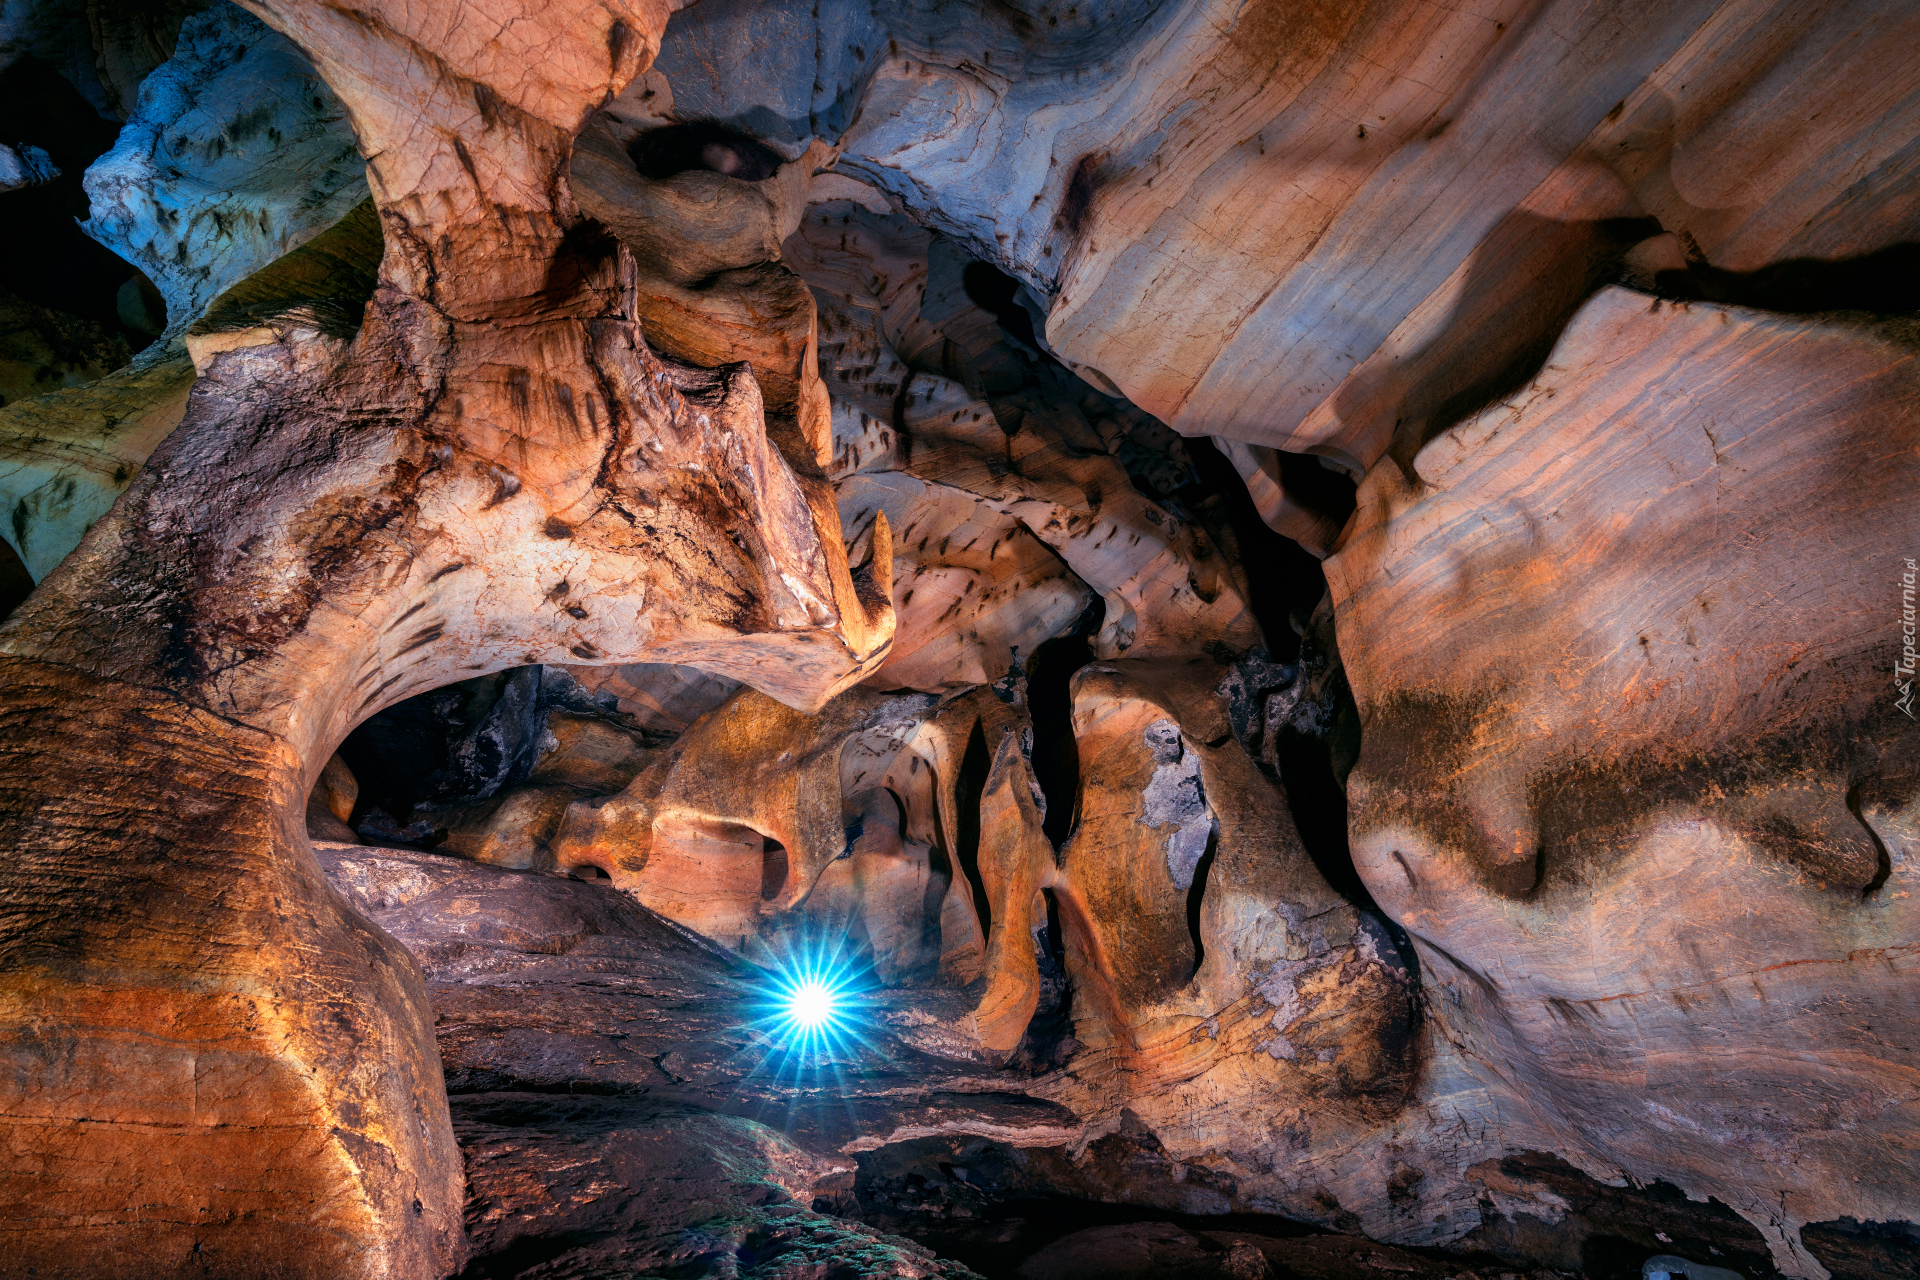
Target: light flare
x,y
811,1006
808,1002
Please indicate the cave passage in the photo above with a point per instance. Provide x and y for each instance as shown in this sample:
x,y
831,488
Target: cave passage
x,y
661,153
1546,388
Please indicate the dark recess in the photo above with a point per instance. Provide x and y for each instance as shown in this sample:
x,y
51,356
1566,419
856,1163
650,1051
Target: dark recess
x,y
66,271
1886,282
1197,894
991,1207
1019,1201
968,788
453,745
406,756
994,291
1056,768
16,584
678,148
1289,581
1048,1040
1285,584
1056,759
1076,206
1855,1250
1607,1232
773,868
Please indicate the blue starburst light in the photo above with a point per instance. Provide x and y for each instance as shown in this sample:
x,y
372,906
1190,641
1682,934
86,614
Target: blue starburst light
x,y
809,999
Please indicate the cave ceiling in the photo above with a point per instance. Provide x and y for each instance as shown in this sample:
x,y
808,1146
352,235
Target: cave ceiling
x,y
1209,638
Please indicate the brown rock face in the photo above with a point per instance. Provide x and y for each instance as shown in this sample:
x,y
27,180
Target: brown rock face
x,y
1209,943
1212,968
1496,183
1634,772
496,470
713,439
617,1099
880,819
185,1050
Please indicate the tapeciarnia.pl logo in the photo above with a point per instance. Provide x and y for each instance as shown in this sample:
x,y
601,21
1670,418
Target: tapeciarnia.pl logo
x,y
1903,666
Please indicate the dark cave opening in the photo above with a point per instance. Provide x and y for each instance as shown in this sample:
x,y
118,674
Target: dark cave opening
x,y
774,868
1885,282
69,274
463,741
422,763
1197,894
998,293
16,584
1291,583
968,787
1056,757
702,145
1284,599
1308,755
1048,1041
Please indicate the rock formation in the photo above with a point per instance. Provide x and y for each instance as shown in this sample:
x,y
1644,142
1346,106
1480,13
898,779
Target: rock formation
x,y
1738,751
1294,611
384,473
236,153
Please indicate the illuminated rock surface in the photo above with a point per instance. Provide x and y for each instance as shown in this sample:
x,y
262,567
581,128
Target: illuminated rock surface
x,y
1299,605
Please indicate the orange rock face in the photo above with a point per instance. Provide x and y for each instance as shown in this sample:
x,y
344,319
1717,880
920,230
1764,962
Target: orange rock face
x,y
1635,773
498,443
788,394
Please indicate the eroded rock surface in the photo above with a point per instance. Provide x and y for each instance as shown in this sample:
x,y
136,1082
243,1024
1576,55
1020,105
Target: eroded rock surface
x,y
587,1039
1691,722
707,513
381,478
237,153
1140,165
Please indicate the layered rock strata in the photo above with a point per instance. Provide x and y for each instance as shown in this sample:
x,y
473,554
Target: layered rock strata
x,y
498,395
759,465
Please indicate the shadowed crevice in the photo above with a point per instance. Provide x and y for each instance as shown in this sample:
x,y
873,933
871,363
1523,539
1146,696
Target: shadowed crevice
x,y
1197,894
1056,754
704,145
967,789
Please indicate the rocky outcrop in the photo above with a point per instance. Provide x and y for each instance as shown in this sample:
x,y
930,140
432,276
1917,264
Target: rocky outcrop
x,y
590,1045
25,166
1205,946
69,453
384,480
238,153
704,212
1642,793
65,456
587,1185
1006,479
1385,214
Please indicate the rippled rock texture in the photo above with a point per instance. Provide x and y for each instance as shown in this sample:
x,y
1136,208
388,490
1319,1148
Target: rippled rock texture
x,y
1309,603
